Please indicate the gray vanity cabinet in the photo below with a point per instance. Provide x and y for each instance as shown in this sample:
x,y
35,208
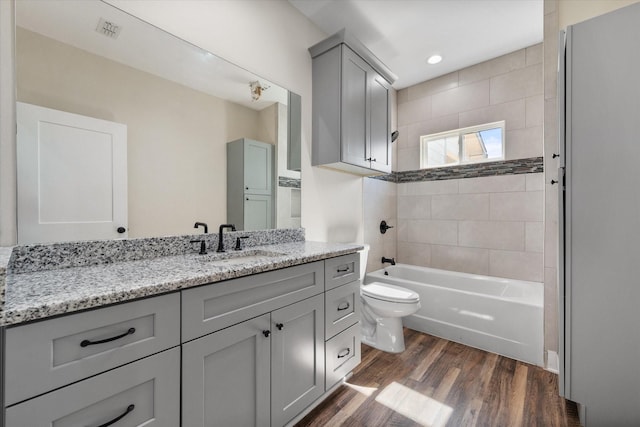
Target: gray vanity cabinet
x,y
351,108
226,376
145,392
250,184
297,358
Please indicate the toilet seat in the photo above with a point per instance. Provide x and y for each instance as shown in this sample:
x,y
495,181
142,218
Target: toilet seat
x,y
391,293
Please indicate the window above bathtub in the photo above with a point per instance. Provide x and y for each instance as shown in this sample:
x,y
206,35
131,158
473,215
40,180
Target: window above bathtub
x,y
475,144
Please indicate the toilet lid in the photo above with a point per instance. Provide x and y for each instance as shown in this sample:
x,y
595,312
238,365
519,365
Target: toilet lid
x,y
386,292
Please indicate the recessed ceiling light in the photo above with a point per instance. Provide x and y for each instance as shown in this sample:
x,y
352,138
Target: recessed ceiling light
x,y
434,59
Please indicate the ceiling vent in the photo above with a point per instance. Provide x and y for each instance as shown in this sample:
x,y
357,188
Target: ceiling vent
x,y
108,28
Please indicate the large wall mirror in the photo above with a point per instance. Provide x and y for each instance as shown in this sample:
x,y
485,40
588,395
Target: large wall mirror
x,y
181,105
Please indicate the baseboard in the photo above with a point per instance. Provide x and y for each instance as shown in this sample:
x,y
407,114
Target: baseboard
x,y
553,362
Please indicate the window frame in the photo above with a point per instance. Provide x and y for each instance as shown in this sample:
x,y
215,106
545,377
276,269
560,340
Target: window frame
x,y
460,133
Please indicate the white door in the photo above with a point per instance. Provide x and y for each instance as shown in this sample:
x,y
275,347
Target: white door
x,y
72,176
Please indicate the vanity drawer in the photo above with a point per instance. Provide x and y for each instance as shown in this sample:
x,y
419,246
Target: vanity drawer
x,y
341,270
342,355
146,392
216,306
46,355
342,308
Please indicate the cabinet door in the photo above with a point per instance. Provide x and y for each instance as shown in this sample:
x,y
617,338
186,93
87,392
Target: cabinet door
x,y
297,362
258,212
379,139
355,109
143,393
225,377
258,168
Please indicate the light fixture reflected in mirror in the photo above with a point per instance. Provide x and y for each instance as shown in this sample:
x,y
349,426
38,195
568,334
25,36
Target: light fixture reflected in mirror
x,y
256,89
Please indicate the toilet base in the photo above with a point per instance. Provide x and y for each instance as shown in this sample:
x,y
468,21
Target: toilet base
x,y
388,335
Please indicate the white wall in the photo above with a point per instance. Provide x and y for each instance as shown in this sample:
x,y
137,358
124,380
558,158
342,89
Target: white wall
x,y
269,38
574,11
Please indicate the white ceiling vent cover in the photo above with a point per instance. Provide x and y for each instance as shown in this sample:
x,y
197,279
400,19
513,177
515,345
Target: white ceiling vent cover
x,y
109,29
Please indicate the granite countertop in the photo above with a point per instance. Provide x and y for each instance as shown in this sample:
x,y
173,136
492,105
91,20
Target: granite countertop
x,y
41,294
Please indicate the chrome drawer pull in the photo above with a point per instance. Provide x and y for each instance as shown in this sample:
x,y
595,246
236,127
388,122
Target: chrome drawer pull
x,y
130,408
344,353
85,343
343,270
344,306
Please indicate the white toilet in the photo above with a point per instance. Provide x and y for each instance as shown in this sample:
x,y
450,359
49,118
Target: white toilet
x,y
383,307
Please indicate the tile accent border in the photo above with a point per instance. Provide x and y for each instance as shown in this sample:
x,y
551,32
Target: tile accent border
x,y
285,181
41,257
503,167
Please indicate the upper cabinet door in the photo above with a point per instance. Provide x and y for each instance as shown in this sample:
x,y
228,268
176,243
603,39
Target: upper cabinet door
x,y
380,134
355,109
72,176
258,167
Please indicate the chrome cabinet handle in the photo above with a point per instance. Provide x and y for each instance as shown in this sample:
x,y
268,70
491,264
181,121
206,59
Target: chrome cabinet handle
x,y
130,408
344,353
85,343
343,270
343,306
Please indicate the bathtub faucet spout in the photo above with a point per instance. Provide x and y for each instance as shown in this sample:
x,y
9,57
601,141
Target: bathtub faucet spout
x,y
391,261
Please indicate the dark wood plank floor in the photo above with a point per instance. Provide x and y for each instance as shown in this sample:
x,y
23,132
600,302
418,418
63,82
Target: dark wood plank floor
x,y
436,382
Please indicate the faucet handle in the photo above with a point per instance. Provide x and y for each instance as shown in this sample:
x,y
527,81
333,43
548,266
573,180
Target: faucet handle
x,y
239,242
203,246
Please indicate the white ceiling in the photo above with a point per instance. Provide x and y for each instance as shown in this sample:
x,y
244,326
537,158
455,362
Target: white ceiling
x,y
403,33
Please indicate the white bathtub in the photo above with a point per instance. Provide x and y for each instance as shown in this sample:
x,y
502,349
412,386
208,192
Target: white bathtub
x,y
502,316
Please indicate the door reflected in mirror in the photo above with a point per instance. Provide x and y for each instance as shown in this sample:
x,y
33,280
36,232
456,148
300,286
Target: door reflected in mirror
x,y
181,106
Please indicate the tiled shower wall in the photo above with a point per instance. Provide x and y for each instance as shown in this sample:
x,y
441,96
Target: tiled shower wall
x,y
491,226
506,88
380,200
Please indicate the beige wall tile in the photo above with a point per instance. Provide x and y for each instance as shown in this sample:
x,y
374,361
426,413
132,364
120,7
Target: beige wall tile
x,y
516,265
414,111
402,233
414,207
439,84
534,54
507,235
493,184
493,67
535,181
534,110
550,54
460,207
435,232
402,141
517,84
550,6
408,159
524,143
414,254
520,206
403,95
466,260
462,98
431,187
513,113
435,125
534,237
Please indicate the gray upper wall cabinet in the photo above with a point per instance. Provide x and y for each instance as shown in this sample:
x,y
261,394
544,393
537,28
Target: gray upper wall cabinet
x,y
351,110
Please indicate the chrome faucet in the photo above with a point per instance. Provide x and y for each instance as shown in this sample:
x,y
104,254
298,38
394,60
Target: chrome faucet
x,y
220,237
